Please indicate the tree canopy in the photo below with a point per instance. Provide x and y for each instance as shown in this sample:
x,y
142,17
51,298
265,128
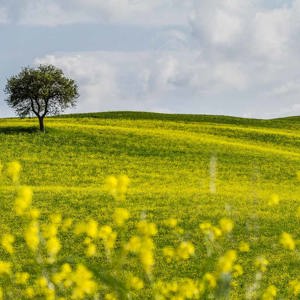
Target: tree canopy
x,y
41,91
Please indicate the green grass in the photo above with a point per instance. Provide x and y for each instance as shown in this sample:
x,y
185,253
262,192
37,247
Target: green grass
x,y
168,159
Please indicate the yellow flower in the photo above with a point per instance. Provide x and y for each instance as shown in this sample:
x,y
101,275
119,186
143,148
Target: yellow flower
x,y
56,219
244,247
1,294
41,282
117,187
147,259
84,283
34,213
261,263
5,267
7,243
23,200
91,250
134,244
295,287
206,228
21,278
110,296
298,175
53,246
29,292
216,232
226,261
287,241
92,228
237,271
135,283
185,250
169,253
120,216
104,231
123,182
226,225
210,280
274,200
1,168
32,236
147,229
49,230
13,171
270,293
171,222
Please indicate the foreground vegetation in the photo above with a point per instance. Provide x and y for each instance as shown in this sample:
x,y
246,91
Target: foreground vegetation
x,y
200,186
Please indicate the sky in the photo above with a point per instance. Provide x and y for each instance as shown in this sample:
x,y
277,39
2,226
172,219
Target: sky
x,y
226,57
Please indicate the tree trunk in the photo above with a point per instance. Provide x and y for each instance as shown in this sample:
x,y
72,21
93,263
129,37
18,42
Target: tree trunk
x,y
41,122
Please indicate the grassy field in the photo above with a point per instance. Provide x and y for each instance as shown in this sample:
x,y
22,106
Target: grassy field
x,y
194,168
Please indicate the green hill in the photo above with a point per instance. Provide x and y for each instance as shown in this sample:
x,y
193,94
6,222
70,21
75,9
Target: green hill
x,y
193,167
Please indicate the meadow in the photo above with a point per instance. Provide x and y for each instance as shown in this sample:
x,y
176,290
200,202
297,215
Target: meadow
x,y
190,168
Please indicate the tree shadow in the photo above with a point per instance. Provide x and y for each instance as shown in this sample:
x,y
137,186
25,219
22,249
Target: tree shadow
x,y
18,129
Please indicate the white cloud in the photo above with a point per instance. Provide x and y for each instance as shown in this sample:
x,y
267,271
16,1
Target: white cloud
x,y
57,12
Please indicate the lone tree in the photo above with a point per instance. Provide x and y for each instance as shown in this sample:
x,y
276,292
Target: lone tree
x,y
41,91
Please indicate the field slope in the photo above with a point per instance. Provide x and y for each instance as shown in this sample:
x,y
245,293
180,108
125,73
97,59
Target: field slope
x,y
197,168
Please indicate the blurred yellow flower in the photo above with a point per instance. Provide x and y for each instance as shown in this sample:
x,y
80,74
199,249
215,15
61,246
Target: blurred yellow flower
x,y
244,247
225,262
7,243
295,287
5,267
171,222
53,246
261,263
185,250
147,229
274,200
21,278
270,293
120,216
287,241
135,283
210,280
31,236
13,171
23,200
226,225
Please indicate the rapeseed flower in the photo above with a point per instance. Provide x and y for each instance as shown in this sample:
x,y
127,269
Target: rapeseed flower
x,y
171,222
5,267
7,243
135,283
287,241
23,200
225,262
120,216
274,200
185,250
13,171
244,247
226,225
145,228
270,293
210,280
21,278
31,235
295,287
261,263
